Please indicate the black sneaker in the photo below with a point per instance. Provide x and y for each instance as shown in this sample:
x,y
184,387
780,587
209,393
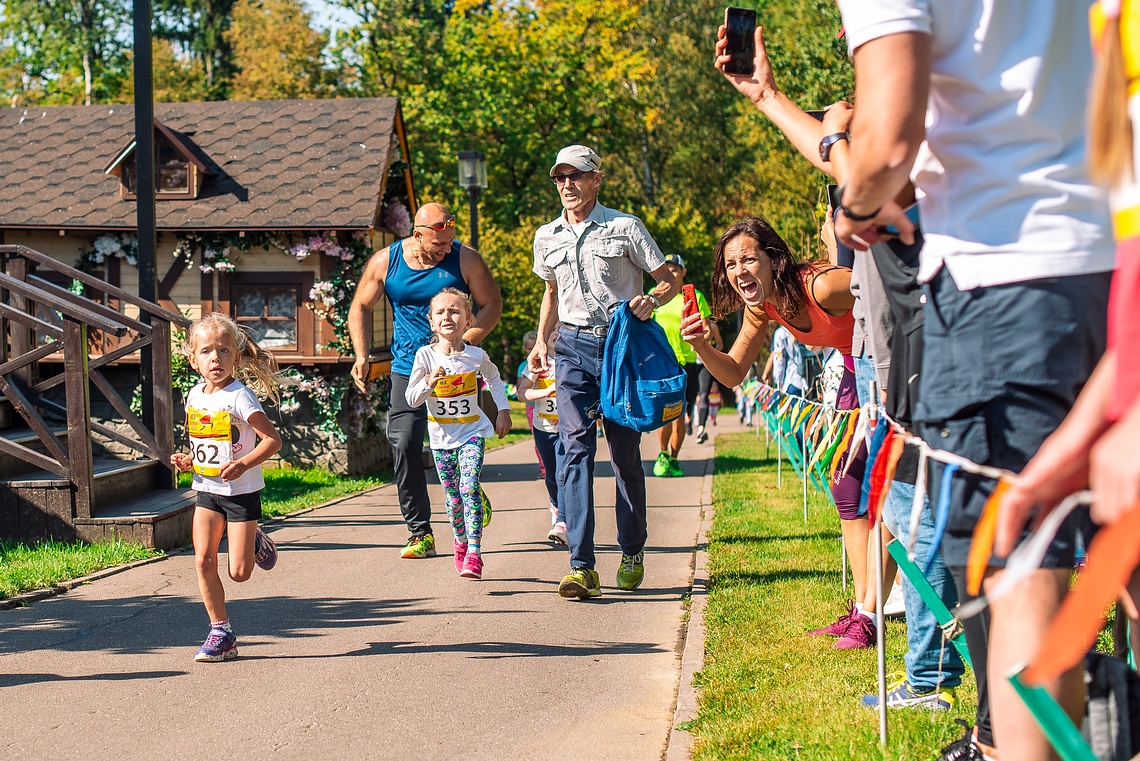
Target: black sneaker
x,y
965,749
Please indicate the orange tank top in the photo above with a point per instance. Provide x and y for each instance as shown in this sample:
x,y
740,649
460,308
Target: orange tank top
x,y
826,329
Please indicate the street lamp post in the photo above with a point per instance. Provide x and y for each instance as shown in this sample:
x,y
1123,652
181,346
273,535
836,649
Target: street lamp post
x,y
473,178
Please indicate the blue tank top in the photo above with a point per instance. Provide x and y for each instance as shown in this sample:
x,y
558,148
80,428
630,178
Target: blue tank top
x,y
410,292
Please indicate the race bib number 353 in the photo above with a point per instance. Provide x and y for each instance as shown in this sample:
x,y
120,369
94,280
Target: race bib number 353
x,y
454,401
211,440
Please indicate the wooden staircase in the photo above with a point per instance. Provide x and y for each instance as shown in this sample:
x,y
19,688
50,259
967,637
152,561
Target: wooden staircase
x,y
51,485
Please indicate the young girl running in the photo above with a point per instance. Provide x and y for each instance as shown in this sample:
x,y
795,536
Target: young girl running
x,y
445,375
538,389
225,420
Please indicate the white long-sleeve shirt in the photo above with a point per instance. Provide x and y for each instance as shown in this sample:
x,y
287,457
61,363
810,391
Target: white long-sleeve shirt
x,y
454,415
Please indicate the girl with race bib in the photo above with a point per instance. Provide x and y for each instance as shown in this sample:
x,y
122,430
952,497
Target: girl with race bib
x,y
224,421
538,387
445,374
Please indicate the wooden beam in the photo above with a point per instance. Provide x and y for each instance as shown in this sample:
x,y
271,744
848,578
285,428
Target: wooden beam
x,y
35,422
94,306
103,359
39,459
163,401
111,395
37,295
80,469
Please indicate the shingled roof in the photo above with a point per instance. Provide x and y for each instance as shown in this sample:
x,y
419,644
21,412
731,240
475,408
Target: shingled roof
x,y
278,165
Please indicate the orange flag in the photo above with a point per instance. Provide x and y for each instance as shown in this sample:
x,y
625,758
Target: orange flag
x,y
982,545
1113,554
883,472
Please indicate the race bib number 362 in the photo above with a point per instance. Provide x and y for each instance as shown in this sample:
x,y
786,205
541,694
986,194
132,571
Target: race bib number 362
x,y
211,440
454,401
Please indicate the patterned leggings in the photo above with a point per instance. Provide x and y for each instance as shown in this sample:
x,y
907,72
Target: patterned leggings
x,y
459,474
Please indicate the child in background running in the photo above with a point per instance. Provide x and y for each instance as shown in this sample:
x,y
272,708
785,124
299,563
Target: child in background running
x,y
225,420
538,389
444,374
715,401
528,343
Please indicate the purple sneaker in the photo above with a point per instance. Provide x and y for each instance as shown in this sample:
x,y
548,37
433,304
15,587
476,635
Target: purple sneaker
x,y
460,554
264,550
860,633
219,646
839,627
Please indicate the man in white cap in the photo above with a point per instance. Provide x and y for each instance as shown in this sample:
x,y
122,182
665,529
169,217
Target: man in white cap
x,y
593,259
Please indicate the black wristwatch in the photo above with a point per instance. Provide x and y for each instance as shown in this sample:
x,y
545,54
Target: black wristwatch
x,y
830,140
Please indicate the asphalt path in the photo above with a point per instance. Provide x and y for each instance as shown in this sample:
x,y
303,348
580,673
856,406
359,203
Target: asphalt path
x,y
348,651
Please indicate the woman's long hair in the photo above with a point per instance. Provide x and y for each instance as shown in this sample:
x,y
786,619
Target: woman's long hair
x,y
787,273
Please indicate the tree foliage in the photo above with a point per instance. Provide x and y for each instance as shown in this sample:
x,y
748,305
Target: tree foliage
x,y
276,51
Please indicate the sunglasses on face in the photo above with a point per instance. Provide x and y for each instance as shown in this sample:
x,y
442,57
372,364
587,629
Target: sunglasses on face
x,y
440,226
574,177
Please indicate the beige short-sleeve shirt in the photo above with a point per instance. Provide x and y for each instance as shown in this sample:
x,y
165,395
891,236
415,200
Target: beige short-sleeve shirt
x,y
597,269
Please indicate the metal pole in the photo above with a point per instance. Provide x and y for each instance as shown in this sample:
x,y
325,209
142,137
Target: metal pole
x,y
779,465
473,199
144,188
804,463
880,633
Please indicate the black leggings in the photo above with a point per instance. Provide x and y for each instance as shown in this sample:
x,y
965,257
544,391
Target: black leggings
x,y
977,631
703,397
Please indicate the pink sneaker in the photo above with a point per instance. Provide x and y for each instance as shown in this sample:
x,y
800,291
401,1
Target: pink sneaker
x,y
472,567
860,633
839,627
460,554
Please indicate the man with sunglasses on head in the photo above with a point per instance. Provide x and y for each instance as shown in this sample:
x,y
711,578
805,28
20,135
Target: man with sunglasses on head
x,y
411,272
593,259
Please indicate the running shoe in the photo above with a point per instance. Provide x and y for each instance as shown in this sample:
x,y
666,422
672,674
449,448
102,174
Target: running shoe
x,y
220,645
264,550
472,566
553,515
460,553
675,468
895,604
661,467
558,534
419,547
901,695
965,749
486,508
702,437
836,629
631,572
581,583
860,633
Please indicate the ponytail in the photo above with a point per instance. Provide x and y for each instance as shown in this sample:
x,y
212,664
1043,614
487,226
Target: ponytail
x,y
1110,129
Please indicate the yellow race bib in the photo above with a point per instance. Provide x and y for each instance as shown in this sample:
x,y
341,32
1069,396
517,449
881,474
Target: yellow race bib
x,y
454,400
211,440
547,407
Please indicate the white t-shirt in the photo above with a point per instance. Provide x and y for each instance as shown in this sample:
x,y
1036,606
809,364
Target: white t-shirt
x,y
545,409
219,429
453,409
1003,166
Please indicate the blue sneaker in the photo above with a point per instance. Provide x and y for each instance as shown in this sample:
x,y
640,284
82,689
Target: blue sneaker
x,y
220,645
900,695
264,550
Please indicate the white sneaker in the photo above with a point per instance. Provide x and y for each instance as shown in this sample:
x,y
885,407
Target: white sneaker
x,y
895,604
558,534
553,515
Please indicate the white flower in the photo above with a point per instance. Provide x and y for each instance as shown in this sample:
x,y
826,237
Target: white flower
x,y
224,266
205,268
107,245
97,257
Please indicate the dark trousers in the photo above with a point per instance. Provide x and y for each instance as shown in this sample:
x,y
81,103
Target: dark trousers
x,y
407,427
579,358
549,448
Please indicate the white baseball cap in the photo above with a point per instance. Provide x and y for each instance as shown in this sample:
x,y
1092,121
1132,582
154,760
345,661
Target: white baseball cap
x,y
578,156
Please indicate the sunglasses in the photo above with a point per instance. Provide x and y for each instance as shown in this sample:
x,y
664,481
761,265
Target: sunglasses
x,y
440,226
571,177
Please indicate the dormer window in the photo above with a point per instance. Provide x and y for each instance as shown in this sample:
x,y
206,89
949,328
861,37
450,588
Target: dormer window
x,y
177,172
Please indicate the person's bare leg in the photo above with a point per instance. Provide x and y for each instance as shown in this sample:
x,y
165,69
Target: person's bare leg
x,y
241,552
855,537
1017,625
678,437
207,532
664,434
890,567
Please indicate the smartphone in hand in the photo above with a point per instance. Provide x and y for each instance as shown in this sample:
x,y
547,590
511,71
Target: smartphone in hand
x,y
740,31
689,306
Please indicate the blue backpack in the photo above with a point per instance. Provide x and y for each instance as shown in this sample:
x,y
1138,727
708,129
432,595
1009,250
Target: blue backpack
x,y
643,387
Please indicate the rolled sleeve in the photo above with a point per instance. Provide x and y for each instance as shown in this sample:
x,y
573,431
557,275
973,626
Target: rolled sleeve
x,y
866,20
646,253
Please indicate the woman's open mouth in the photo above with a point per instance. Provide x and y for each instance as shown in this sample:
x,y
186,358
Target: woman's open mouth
x,y
749,290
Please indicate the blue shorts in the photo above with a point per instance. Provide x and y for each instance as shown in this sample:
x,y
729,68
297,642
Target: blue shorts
x,y
1001,369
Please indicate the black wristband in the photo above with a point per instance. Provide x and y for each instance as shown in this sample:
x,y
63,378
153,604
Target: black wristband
x,y
830,140
852,215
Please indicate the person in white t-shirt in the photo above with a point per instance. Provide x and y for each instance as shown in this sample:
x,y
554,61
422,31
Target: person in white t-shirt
x,y
445,374
225,421
537,387
982,104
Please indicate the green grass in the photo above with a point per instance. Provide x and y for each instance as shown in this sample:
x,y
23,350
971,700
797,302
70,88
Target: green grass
x,y
24,568
768,691
520,428
288,490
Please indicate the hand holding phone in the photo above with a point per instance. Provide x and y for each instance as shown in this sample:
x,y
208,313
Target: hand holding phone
x,y
689,294
740,31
